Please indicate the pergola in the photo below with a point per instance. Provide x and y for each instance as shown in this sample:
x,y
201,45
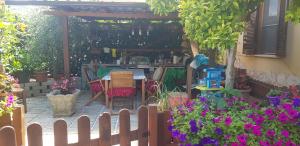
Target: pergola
x,y
105,10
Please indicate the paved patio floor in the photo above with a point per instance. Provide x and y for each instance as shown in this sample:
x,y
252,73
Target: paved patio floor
x,y
39,111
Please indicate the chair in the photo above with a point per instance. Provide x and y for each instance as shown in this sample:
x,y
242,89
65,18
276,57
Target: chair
x,y
121,85
96,86
156,82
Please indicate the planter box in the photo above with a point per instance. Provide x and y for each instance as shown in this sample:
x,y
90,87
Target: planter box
x,y
17,122
63,105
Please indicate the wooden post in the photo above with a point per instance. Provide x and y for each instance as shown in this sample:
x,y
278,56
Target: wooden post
x,y
84,131
66,46
142,126
7,136
34,135
124,120
189,80
105,130
152,116
60,133
19,124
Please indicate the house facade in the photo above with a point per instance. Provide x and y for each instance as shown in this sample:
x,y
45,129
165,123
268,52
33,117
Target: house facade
x,y
270,48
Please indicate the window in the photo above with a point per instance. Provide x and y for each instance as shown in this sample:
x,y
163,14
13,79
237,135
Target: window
x,y
266,31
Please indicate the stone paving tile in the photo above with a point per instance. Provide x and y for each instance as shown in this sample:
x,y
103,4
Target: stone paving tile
x,y
39,111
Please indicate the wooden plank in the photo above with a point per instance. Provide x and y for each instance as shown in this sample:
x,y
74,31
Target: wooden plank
x,y
76,3
124,120
7,136
106,96
66,46
34,135
160,128
143,92
60,133
115,15
19,124
189,80
143,126
105,129
167,133
152,116
84,131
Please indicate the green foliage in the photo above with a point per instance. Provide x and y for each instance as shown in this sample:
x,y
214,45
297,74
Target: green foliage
x,y
45,40
293,13
163,7
12,42
211,23
274,92
173,76
230,92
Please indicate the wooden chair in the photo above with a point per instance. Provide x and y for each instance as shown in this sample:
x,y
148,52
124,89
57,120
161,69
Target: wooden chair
x,y
152,85
96,87
121,85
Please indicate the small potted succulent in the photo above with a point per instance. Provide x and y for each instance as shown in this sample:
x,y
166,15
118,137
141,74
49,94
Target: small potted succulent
x,y
274,96
63,97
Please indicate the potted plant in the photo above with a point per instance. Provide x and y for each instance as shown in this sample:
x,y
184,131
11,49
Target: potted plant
x,y
63,97
274,96
40,72
241,81
7,105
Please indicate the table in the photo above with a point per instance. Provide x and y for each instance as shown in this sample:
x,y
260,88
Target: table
x,y
138,74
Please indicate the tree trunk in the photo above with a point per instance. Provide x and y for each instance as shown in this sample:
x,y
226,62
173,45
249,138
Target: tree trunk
x,y
230,71
195,48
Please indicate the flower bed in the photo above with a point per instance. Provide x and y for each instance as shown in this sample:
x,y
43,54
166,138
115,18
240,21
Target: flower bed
x,y
239,124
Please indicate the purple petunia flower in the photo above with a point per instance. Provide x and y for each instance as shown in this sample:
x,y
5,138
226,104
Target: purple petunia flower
x,y
182,137
274,100
270,133
217,120
264,143
208,141
248,126
285,133
287,106
259,120
175,133
269,112
170,128
290,143
293,113
242,138
256,130
193,126
203,99
203,113
228,121
218,131
296,102
282,117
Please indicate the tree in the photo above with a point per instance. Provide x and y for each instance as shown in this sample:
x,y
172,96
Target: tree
x,y
12,41
212,24
293,13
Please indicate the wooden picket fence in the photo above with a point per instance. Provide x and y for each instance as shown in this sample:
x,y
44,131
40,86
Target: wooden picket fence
x,y
152,131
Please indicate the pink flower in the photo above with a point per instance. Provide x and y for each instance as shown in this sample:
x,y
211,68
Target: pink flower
x,y
217,119
228,121
282,117
279,143
203,113
290,143
293,113
270,133
242,138
285,133
269,112
248,126
256,130
259,120
264,143
287,106
235,144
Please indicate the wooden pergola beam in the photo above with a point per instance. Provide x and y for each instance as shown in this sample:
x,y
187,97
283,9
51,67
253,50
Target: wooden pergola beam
x,y
115,15
64,21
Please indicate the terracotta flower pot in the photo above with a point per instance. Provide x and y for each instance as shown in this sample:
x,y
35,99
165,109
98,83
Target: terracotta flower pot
x,y
40,76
